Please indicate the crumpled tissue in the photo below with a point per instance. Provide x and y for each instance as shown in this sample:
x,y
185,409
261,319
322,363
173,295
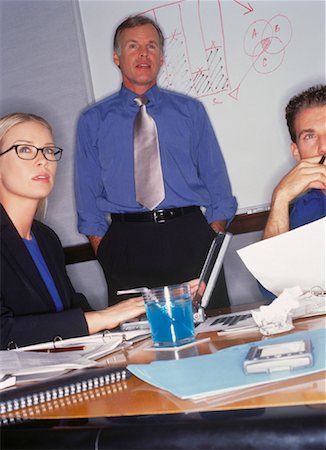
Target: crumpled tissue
x,y
276,317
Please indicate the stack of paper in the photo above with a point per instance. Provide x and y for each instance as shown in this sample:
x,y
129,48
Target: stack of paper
x,y
28,366
48,359
202,376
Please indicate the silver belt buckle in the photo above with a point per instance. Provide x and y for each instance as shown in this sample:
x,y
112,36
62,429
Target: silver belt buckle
x,y
159,216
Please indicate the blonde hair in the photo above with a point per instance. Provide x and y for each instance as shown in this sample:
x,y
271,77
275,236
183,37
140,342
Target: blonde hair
x,y
9,121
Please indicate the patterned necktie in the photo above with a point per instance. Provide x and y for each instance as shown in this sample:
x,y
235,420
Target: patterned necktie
x,y
147,162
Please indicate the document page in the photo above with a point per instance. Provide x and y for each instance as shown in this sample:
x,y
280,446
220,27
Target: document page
x,y
295,258
40,365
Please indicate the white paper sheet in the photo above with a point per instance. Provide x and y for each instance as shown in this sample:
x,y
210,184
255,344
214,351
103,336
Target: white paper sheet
x,y
27,363
295,258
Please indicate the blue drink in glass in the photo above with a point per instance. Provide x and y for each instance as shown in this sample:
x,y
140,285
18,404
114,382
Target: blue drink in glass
x,y
170,315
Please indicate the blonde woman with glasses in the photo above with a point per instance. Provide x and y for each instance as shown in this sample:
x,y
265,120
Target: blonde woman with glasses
x,y
38,301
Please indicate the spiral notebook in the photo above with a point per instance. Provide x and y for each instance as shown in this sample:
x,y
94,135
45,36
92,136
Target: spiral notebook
x,y
77,381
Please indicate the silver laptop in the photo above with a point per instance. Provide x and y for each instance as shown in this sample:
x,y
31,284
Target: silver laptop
x,y
315,305
209,274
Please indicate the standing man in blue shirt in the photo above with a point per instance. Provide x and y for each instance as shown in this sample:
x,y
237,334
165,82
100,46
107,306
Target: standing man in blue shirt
x,y
168,245
304,187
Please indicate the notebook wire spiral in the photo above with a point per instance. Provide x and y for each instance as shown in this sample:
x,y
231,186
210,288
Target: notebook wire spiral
x,y
76,382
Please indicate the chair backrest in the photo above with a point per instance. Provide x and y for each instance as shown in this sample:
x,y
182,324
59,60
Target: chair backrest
x,y
241,284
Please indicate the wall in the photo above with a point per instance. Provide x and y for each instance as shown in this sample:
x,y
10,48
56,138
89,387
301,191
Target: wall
x,y
45,71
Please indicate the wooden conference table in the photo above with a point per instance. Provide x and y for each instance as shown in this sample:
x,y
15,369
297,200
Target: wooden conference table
x,y
133,398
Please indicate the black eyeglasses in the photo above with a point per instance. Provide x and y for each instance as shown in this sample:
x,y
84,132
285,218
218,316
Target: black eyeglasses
x,y
26,151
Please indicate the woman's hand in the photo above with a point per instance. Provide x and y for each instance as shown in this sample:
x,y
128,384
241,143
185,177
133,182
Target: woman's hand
x,y
112,316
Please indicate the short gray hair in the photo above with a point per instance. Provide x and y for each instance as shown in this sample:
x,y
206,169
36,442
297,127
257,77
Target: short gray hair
x,y
136,21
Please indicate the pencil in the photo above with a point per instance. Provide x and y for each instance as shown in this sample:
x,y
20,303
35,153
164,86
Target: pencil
x,y
59,349
322,159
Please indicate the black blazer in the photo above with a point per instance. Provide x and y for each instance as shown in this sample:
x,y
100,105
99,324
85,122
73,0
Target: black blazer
x,y
27,310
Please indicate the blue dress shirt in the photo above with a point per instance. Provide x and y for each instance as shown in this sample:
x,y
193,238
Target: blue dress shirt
x,y
193,166
36,254
308,208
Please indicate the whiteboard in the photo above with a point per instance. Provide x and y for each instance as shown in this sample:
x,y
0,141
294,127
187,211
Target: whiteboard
x,y
242,60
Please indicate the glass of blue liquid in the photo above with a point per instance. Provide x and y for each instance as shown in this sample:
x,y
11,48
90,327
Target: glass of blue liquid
x,y
169,311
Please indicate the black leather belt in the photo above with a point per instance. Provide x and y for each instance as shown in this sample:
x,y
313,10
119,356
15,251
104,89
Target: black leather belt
x,y
158,216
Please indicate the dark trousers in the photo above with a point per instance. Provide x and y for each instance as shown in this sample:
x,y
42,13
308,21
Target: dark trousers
x,y
134,254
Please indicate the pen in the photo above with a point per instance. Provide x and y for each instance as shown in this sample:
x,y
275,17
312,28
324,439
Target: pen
x,y
59,349
322,159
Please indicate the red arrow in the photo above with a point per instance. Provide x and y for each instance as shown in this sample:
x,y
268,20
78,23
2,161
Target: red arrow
x,y
249,8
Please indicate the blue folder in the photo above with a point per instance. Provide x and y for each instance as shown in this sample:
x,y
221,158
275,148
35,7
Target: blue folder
x,y
222,372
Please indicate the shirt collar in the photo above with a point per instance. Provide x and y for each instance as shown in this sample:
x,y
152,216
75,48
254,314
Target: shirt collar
x,y
127,97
